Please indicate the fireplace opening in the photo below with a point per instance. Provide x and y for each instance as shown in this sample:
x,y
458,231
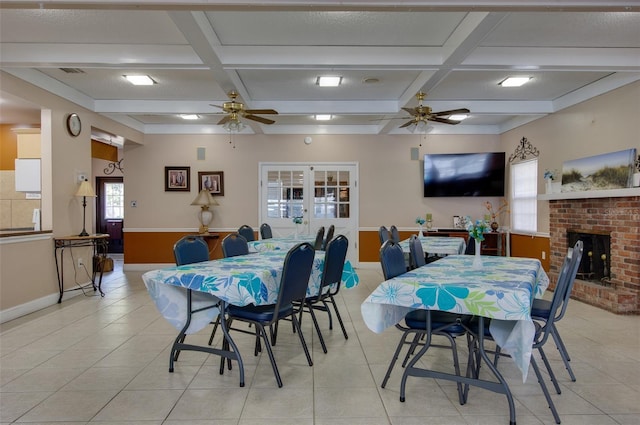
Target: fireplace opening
x,y
595,265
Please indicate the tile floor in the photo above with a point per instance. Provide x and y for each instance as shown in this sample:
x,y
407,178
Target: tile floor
x,y
105,361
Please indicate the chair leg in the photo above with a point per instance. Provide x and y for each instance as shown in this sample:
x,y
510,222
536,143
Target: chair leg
x,y
294,319
317,326
335,307
215,328
326,308
536,369
274,366
412,348
394,358
563,352
549,370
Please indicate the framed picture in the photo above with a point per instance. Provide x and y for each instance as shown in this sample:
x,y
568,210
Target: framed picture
x,y
177,179
613,170
213,181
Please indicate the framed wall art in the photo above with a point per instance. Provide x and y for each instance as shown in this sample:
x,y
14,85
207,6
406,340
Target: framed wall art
x,y
213,181
177,179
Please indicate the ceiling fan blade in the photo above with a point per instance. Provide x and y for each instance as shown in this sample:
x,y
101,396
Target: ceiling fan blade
x,y
407,124
217,106
412,111
451,112
224,119
259,119
261,111
443,120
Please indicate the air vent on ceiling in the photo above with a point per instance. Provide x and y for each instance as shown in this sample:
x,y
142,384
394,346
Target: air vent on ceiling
x,y
72,70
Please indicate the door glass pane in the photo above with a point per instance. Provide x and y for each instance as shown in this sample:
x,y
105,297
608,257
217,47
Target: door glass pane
x,y
114,200
285,194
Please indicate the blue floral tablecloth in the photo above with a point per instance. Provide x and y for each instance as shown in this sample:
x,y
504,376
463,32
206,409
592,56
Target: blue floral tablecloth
x,y
242,280
438,245
281,243
503,290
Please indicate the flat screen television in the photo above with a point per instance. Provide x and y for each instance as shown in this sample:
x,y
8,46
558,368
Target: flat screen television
x,y
464,174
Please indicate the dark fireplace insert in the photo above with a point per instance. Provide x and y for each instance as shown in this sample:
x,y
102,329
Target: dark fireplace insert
x,y
595,265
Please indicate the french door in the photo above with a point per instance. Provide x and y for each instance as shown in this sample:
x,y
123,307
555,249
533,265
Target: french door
x,y
322,194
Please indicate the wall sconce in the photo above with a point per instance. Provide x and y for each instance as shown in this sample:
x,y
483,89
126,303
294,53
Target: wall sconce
x,y
204,199
85,190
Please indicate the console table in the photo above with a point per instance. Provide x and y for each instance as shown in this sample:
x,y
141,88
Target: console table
x,y
98,242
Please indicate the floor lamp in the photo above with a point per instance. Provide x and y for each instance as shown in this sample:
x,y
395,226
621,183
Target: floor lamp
x,y
85,190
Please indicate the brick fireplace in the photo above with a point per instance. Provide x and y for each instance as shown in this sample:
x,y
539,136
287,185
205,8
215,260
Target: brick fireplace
x,y
618,217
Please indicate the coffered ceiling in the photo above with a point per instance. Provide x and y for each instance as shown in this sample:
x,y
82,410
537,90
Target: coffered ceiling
x,y
271,53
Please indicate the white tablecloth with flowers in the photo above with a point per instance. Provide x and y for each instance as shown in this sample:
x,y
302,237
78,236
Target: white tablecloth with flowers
x,y
241,280
282,243
502,290
434,245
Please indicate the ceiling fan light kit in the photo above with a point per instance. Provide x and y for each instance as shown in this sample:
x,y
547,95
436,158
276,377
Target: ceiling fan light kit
x,y
422,113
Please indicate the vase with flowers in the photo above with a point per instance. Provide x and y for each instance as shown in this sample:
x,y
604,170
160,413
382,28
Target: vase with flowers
x,y
549,178
420,222
297,221
476,230
492,216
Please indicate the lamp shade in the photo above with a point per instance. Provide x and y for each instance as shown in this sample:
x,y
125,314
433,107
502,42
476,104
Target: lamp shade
x,y
85,189
204,198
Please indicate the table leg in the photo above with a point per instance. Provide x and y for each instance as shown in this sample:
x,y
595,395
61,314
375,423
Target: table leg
x,y
499,387
179,344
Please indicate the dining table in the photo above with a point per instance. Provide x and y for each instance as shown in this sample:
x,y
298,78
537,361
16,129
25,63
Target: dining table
x,y
437,245
190,296
502,290
279,243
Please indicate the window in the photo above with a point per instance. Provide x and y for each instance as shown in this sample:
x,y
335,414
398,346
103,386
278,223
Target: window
x,y
114,205
524,193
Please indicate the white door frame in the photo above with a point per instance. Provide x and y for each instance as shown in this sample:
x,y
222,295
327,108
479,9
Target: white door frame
x,y
285,226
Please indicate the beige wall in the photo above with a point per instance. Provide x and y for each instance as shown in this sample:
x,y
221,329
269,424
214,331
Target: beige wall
x,y
388,176
607,123
390,183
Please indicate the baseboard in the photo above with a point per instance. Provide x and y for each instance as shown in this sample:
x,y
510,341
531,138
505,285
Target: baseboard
x,y
33,306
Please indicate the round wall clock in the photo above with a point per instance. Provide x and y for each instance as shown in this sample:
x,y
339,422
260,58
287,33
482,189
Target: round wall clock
x,y
74,126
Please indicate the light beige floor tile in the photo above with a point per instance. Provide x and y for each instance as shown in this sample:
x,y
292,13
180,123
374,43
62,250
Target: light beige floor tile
x,y
103,378
42,379
139,405
222,403
347,403
69,406
274,403
14,405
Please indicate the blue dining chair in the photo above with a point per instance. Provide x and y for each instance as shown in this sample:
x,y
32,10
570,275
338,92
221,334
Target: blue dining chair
x,y
330,231
383,234
317,245
335,256
296,272
265,231
448,325
247,232
541,311
234,244
395,235
543,328
416,253
188,250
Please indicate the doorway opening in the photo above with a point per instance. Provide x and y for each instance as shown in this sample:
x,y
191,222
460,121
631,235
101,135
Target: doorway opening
x,y
110,211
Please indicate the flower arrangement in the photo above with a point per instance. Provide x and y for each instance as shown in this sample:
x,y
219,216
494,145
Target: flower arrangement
x,y
476,230
297,220
503,208
637,164
420,221
550,174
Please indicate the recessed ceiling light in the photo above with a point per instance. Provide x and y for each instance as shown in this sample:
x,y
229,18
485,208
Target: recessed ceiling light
x,y
371,80
323,117
328,81
140,80
458,117
189,116
514,81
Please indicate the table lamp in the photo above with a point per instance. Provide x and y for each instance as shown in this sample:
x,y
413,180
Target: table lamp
x,y
204,199
85,190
